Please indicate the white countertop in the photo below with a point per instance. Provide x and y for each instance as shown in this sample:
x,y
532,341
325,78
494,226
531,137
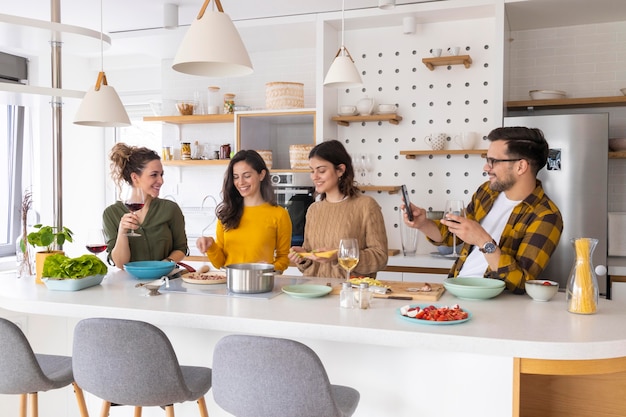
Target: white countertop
x,y
509,325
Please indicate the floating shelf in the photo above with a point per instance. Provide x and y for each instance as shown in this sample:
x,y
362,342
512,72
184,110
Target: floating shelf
x,y
192,119
414,154
195,162
617,155
393,118
441,61
391,189
610,101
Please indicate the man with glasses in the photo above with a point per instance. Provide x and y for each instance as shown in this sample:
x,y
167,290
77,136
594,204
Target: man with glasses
x,y
511,227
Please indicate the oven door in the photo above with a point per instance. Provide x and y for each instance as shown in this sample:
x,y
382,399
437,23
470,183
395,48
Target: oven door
x,y
296,200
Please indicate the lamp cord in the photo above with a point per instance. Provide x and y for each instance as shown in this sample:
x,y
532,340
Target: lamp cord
x,y
101,42
343,9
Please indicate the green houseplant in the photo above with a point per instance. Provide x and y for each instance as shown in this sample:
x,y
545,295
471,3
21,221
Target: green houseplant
x,y
47,237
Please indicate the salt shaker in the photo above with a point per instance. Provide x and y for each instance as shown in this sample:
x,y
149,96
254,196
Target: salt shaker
x,y
346,297
364,295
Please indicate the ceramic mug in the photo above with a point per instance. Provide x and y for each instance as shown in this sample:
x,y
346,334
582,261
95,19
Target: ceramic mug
x,y
435,52
347,110
387,108
437,141
466,140
454,50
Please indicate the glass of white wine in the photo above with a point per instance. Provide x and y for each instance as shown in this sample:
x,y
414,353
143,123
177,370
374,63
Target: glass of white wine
x,y
348,255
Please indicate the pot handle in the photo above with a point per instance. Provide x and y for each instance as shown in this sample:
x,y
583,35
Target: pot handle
x,y
268,274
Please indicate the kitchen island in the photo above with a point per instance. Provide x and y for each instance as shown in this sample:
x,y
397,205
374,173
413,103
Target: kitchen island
x,y
401,369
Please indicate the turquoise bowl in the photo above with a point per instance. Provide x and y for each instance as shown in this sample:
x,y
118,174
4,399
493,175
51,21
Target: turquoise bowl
x,y
149,269
470,288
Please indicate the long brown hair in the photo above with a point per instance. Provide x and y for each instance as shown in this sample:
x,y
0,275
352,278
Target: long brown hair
x,y
126,160
230,210
335,153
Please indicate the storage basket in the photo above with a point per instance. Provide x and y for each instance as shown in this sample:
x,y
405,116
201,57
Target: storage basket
x,y
299,156
267,157
284,95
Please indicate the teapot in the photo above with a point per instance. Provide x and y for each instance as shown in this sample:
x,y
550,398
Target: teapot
x,y
365,106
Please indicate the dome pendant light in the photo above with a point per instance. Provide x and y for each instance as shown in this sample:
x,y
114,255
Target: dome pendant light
x,y
343,73
212,47
101,105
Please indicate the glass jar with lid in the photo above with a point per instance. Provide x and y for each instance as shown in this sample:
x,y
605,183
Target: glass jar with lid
x,y
229,103
213,100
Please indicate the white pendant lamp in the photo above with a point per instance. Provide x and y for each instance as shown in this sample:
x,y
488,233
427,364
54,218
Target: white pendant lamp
x,y
101,105
212,47
343,73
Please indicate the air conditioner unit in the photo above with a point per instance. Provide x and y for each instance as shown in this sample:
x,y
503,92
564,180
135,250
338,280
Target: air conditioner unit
x,y
13,69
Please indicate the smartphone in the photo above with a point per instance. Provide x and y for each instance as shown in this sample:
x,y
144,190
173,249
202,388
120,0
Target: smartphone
x,y
407,203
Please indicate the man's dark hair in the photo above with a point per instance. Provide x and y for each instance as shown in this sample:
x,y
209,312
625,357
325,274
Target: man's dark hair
x,y
523,142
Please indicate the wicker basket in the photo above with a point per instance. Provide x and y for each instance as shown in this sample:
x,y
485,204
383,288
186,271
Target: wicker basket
x,y
284,95
299,156
267,157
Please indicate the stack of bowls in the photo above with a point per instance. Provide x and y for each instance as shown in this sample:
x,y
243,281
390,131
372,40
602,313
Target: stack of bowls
x,y
470,288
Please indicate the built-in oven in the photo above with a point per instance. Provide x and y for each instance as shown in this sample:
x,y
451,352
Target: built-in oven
x,y
294,191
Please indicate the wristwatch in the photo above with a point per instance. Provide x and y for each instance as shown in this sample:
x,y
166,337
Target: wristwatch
x,y
489,247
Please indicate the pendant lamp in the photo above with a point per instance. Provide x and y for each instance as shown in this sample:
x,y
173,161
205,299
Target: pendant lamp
x,y
212,47
343,73
101,105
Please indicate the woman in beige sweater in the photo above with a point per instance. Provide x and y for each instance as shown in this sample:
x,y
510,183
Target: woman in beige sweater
x,y
340,212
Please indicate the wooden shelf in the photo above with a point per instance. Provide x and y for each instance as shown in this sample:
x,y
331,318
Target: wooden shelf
x,y
414,154
393,118
568,103
440,61
391,189
195,162
617,155
192,119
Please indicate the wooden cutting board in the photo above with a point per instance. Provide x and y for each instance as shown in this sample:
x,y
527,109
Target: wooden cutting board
x,y
404,289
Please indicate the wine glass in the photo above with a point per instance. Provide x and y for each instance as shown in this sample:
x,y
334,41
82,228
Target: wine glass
x,y
368,167
357,163
348,255
456,207
134,200
96,241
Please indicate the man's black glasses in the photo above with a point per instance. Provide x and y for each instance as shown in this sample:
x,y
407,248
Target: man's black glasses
x,y
492,161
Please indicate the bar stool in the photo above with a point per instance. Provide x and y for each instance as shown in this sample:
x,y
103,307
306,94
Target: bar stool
x,y
256,376
26,373
129,362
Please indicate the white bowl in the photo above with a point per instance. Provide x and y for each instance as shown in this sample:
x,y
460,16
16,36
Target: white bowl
x,y
546,94
538,290
474,288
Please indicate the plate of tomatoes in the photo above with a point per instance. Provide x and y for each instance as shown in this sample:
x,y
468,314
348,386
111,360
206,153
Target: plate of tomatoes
x,y
433,314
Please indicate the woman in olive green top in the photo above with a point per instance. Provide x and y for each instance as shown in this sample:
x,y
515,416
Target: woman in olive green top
x,y
160,222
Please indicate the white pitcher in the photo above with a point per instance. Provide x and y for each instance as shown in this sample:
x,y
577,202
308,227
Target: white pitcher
x,y
466,140
365,106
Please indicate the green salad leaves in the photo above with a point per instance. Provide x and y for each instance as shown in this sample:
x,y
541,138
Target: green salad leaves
x,y
60,266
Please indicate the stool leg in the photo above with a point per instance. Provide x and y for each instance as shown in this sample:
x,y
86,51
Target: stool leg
x,y
104,411
23,402
169,410
34,409
137,411
202,407
80,399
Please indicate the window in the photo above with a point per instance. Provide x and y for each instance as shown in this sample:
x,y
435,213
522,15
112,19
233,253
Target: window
x,y
15,138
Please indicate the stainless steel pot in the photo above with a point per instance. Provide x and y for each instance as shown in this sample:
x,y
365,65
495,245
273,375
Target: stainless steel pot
x,y
250,278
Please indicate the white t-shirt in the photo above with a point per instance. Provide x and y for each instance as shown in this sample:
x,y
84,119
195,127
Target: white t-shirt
x,y
494,222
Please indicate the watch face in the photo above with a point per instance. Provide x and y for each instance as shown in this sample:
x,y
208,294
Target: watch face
x,y
489,247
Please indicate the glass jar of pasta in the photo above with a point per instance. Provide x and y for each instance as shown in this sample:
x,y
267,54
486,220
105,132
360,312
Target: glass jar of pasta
x,y
582,290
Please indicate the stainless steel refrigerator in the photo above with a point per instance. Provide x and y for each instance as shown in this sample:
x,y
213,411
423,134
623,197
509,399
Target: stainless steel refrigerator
x,y
576,179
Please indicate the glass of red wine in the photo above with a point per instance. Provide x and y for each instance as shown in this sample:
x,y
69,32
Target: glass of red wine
x,y
134,200
96,241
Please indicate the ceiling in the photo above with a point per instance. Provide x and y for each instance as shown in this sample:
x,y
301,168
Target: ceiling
x,y
134,24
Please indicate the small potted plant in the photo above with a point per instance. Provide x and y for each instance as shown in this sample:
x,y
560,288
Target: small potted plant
x,y
47,237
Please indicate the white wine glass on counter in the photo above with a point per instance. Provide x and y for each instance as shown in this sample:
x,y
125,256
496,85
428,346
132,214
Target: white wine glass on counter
x,y
456,207
348,255
134,200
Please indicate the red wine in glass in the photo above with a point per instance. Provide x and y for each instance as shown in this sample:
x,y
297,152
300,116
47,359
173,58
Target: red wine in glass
x,y
96,249
134,206
134,200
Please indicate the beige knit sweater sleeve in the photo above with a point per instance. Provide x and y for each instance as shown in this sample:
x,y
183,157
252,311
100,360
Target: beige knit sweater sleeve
x,y
357,217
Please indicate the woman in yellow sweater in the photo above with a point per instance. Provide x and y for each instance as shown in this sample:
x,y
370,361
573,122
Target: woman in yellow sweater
x,y
251,227
340,212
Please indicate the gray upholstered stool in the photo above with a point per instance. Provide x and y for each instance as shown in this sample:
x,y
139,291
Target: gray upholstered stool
x,y
133,363
256,376
26,373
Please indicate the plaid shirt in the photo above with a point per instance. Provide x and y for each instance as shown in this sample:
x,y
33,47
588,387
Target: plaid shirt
x,y
528,239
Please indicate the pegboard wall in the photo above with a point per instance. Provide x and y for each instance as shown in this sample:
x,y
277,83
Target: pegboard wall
x,y
451,100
